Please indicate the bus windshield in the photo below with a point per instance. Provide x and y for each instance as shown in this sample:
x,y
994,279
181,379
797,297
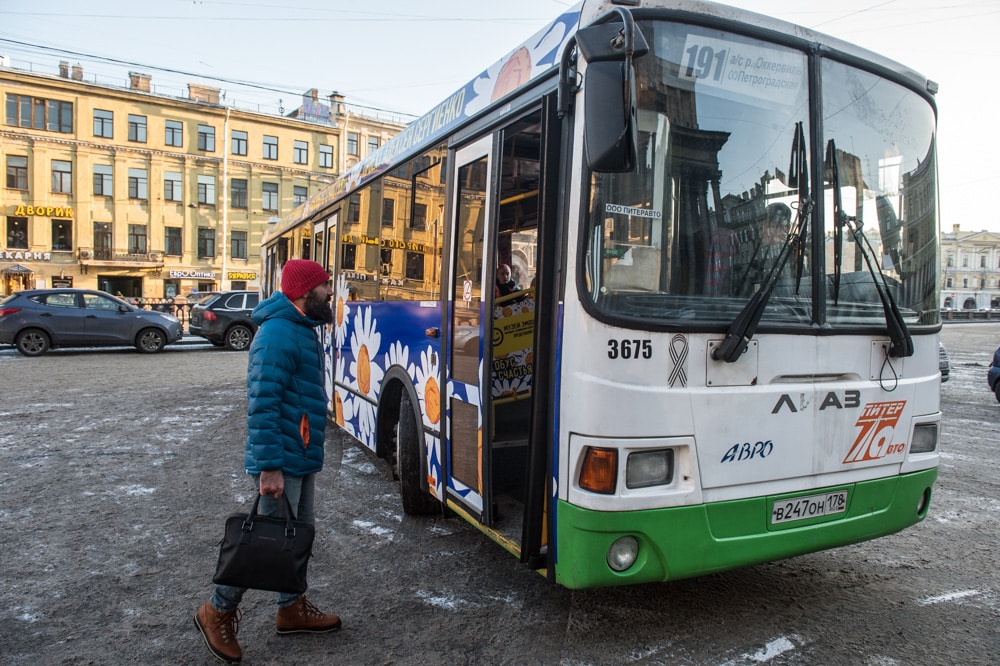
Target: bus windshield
x,y
721,202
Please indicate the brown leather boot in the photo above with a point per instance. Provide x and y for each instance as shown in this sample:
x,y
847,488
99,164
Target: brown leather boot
x,y
219,631
303,617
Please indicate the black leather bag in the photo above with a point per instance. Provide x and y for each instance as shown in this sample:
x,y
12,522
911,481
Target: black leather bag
x,y
265,552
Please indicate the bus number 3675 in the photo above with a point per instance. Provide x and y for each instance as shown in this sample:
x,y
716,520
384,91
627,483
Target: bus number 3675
x,y
630,349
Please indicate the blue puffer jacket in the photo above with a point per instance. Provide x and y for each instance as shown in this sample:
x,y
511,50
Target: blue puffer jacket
x,y
286,414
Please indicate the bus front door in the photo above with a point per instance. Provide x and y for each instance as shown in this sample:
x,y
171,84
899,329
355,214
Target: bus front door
x,y
470,329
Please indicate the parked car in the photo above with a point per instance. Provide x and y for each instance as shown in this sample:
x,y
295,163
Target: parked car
x,y
224,319
37,320
993,376
944,362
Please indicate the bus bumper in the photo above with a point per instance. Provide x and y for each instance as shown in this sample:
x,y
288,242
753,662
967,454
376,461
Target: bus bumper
x,y
682,542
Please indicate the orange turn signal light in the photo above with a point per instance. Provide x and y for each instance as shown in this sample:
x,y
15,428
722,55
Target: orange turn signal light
x,y
599,473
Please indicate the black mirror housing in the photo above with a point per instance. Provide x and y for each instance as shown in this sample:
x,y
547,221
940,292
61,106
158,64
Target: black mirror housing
x,y
609,123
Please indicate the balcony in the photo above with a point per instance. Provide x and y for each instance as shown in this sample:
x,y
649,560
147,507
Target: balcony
x,y
108,258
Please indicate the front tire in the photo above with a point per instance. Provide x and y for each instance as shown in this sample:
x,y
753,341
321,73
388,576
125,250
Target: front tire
x,y
238,338
32,342
150,340
409,460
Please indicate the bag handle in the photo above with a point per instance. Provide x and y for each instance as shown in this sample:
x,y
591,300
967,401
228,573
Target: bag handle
x,y
289,516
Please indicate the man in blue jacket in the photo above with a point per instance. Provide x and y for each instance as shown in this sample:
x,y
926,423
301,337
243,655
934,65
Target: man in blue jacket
x,y
286,422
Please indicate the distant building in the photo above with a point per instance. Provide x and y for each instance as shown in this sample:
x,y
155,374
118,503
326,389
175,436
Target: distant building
x,y
149,195
970,270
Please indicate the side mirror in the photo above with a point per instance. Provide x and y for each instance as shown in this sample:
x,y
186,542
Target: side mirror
x,y
610,133
610,128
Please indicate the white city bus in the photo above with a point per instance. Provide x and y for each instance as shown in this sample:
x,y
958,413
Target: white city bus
x,y
722,345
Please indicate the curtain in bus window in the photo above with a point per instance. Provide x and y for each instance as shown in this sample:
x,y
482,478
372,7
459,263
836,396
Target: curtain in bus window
x,y
879,136
698,226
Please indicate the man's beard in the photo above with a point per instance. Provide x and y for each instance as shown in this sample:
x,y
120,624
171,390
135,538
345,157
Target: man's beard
x,y
318,308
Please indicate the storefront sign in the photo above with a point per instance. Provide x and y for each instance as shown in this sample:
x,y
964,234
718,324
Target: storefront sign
x,y
43,211
241,275
25,255
62,282
199,275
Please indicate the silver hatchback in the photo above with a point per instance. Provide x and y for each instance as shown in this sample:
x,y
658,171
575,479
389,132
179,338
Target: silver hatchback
x,y
37,320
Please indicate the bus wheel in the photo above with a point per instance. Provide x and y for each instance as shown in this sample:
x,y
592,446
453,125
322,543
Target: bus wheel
x,y
416,500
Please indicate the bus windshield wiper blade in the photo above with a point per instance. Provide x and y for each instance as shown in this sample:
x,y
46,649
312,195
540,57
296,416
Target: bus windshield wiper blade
x,y
839,218
901,344
745,324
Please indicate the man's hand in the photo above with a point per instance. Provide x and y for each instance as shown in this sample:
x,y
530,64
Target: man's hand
x,y
272,483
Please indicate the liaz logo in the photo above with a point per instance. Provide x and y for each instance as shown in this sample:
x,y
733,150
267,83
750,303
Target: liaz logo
x,y
878,425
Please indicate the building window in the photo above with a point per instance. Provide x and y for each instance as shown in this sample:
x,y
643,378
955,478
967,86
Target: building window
x,y
965,283
174,133
299,194
347,261
982,261
419,220
103,247
372,144
951,261
103,181
269,196
104,124
415,266
206,243
137,239
388,212
352,143
300,152
951,283
206,190
17,172
326,156
172,241
172,186
238,192
62,177
239,142
206,138
270,147
137,128
385,257
40,114
138,185
62,235
17,233
965,262
238,245
354,209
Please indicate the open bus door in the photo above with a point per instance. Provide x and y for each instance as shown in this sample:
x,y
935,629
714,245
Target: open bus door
x,y
492,462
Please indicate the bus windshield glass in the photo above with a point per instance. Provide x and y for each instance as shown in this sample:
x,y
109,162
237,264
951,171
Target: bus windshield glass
x,y
720,203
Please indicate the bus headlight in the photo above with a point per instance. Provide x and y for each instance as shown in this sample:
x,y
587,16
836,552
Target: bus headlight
x,y
622,553
649,468
925,438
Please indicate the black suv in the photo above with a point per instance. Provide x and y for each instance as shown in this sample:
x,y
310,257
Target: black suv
x,y
224,319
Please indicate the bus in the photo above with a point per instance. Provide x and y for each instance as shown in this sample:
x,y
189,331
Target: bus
x,y
721,345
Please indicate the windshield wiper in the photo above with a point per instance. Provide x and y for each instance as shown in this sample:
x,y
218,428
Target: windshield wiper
x,y
745,324
743,327
900,342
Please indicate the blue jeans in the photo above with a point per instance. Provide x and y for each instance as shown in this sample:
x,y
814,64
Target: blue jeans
x,y
300,491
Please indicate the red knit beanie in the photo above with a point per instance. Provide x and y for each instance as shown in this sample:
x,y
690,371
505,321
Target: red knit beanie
x,y
300,276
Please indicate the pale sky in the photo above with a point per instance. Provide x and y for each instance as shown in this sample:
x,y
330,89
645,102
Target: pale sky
x,y
405,56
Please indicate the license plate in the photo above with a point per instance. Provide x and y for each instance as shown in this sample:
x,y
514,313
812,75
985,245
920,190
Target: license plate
x,y
812,506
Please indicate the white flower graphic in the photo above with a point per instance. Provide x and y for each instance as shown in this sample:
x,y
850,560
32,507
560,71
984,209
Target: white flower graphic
x,y
428,389
365,343
342,310
399,355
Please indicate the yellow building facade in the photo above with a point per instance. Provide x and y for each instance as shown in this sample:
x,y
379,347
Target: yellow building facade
x,y
151,196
